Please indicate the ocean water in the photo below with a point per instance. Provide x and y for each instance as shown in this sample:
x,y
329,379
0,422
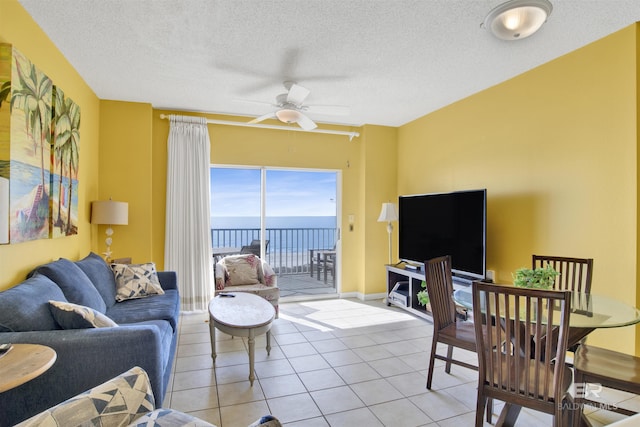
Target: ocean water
x,y
285,233
227,222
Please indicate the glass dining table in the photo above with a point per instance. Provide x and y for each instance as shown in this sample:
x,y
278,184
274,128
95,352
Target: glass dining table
x,y
588,312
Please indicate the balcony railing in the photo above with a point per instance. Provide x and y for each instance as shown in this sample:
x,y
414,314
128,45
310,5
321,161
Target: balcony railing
x,y
288,249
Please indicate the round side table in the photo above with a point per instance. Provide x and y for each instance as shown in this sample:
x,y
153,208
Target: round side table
x,y
23,363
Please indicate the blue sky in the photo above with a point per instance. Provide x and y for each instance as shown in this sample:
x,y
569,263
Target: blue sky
x,y
236,192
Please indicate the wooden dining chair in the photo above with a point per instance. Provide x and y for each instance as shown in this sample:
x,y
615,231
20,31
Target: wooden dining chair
x,y
446,327
508,323
575,275
596,367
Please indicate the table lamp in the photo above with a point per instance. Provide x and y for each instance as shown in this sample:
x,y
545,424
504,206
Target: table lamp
x,y
109,212
388,214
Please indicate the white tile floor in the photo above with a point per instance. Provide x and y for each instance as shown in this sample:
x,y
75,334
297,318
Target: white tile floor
x,y
337,362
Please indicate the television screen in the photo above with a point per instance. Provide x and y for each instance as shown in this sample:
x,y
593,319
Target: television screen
x,y
433,225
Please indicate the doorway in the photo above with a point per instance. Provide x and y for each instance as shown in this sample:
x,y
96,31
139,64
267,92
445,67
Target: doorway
x,y
292,214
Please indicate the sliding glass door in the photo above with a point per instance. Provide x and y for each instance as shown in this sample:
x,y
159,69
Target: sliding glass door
x,y
289,217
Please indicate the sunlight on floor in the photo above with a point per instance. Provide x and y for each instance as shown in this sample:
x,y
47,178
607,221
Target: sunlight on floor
x,y
326,315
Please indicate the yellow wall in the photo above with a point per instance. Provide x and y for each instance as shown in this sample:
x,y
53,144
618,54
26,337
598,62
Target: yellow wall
x,y
126,167
379,171
253,147
17,28
556,149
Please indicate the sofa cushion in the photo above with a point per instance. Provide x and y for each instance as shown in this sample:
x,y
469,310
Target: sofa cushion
x,y
169,418
242,269
76,286
116,402
74,316
160,307
136,281
25,307
266,421
101,275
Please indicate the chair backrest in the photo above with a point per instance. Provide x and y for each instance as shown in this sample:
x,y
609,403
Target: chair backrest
x,y
440,289
256,243
250,249
575,273
517,362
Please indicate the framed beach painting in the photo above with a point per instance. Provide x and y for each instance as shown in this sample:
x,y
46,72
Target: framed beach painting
x,y
65,165
25,145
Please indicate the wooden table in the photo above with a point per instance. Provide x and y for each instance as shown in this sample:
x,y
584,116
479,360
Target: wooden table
x,y
221,252
23,363
325,258
243,315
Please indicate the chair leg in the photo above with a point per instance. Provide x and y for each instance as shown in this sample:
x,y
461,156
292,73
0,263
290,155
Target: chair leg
x,y
578,402
447,368
562,418
489,410
432,359
480,406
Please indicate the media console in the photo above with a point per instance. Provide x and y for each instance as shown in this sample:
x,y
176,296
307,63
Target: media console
x,y
403,285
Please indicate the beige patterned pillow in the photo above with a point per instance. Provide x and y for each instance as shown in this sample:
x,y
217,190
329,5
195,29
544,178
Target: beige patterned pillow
x,y
242,269
74,316
136,281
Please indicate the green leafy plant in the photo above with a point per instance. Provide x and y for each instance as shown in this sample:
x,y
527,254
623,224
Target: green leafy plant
x,y
539,278
423,296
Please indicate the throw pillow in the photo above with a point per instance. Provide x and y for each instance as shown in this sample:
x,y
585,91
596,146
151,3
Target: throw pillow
x,y
75,284
101,275
74,316
25,306
242,269
136,281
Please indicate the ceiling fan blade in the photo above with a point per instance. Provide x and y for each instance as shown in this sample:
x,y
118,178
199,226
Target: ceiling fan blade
x,y
297,94
330,110
263,117
251,101
306,123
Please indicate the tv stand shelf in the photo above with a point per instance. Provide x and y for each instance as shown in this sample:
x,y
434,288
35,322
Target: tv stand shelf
x,y
411,283
414,279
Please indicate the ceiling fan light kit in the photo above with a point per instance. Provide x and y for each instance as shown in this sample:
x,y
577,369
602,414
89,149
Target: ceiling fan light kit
x,y
287,115
517,19
290,108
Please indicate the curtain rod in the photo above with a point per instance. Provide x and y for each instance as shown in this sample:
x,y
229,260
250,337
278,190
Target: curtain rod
x,y
351,135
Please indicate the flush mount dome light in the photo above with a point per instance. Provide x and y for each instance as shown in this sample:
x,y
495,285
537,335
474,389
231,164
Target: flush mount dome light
x,y
287,115
517,19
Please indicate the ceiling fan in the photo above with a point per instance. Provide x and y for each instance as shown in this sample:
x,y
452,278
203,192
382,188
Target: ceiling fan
x,y
290,108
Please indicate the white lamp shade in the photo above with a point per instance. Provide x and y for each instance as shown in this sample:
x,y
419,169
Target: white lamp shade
x,y
518,19
388,213
109,212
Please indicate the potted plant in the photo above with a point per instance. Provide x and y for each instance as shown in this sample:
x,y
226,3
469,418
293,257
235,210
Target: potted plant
x,y
423,296
539,278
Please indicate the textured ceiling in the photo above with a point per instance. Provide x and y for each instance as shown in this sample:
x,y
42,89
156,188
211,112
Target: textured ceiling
x,y
389,61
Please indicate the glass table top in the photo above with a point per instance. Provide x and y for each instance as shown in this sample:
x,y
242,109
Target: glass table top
x,y
587,310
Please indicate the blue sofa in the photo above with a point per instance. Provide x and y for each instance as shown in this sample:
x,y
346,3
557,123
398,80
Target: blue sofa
x,y
145,335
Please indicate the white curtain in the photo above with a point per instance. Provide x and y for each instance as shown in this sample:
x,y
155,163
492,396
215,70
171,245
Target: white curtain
x,y
188,235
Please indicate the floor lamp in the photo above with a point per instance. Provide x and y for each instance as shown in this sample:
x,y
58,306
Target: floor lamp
x,y
388,214
109,212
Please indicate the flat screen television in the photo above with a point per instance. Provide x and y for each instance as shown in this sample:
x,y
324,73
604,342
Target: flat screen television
x,y
455,223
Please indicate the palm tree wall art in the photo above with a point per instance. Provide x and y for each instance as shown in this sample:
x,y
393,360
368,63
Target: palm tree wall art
x,y
65,162
39,139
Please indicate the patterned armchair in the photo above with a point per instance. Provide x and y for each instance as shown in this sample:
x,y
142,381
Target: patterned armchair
x,y
126,400
247,273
